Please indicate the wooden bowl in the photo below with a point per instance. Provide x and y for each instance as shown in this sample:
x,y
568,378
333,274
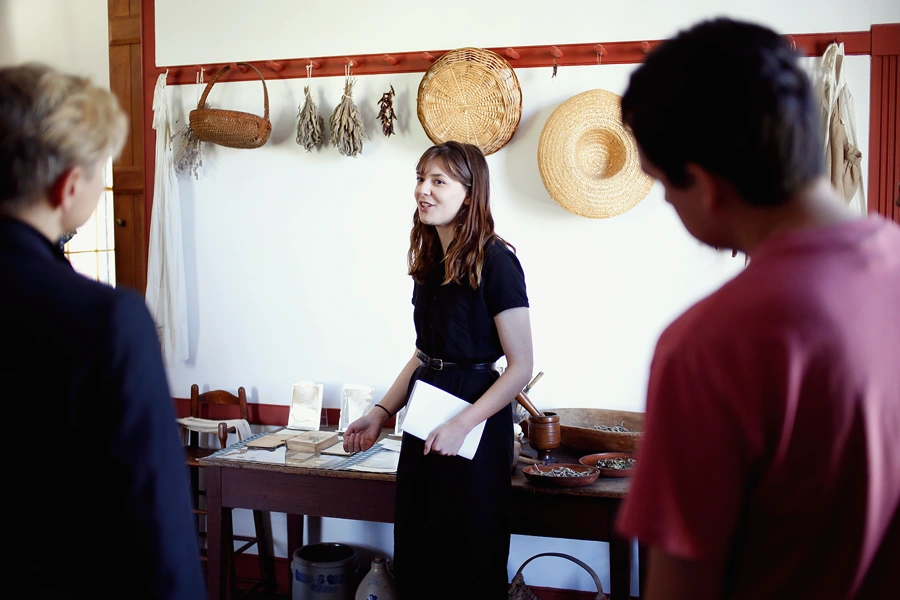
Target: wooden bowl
x,y
578,433
536,475
591,460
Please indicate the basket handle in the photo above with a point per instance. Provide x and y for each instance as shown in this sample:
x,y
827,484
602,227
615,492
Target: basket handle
x,y
220,72
600,595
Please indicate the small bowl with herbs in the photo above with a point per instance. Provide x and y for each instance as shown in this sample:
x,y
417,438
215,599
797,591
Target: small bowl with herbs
x,y
561,475
611,464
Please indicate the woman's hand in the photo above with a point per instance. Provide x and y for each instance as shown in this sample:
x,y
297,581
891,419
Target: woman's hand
x,y
447,439
363,432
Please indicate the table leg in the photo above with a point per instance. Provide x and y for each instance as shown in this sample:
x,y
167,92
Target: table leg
x,y
217,520
294,540
620,568
643,561
264,548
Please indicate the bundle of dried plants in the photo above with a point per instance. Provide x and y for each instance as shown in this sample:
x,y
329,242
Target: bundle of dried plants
x,y
311,125
386,114
346,126
188,158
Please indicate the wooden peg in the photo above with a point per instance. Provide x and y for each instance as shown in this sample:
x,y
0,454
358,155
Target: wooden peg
x,y
274,65
510,53
234,66
312,63
389,59
645,46
599,49
556,52
351,62
792,41
427,56
839,39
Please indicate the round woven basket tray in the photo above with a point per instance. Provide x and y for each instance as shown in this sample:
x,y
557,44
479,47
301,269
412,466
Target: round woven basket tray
x,y
470,95
588,160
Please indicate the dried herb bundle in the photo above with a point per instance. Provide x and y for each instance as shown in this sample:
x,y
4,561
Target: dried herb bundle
x,y
311,125
347,129
188,158
386,114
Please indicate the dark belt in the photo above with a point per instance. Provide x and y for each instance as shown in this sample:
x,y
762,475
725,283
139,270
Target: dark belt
x,y
439,365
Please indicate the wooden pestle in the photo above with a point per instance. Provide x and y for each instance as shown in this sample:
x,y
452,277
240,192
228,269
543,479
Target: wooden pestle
x,y
526,402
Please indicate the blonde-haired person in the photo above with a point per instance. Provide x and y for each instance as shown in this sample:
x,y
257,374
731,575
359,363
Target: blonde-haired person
x,y
107,506
471,308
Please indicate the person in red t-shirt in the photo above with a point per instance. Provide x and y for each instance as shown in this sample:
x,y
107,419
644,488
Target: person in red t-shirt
x,y
769,466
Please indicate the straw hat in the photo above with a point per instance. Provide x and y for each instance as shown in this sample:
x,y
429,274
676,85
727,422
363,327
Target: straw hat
x,y
470,95
587,158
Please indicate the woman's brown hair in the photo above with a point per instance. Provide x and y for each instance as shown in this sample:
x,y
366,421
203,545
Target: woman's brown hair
x,y
474,224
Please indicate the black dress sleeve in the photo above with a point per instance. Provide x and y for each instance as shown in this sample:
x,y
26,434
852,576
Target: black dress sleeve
x,y
503,280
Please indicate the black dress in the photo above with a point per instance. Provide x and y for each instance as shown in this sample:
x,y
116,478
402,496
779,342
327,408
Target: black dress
x,y
451,532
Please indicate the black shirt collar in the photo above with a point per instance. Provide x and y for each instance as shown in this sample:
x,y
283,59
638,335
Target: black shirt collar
x,y
18,234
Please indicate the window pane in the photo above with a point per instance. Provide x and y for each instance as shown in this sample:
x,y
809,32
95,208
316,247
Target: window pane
x,y
92,250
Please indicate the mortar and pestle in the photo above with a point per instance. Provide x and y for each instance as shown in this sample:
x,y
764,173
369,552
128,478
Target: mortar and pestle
x,y
543,427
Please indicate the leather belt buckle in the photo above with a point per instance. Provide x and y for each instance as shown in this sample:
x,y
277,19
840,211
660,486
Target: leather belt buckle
x,y
437,364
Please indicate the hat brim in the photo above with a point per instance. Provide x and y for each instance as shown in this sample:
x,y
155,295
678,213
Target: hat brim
x,y
588,160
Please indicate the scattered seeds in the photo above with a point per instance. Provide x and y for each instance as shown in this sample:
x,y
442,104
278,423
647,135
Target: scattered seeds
x,y
617,428
616,463
561,472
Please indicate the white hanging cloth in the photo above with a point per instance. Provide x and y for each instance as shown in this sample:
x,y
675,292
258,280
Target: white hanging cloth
x,y
843,157
166,297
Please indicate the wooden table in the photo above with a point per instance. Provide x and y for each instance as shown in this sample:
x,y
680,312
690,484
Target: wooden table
x,y
586,513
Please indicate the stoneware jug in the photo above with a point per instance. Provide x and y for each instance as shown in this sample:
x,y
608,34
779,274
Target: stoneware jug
x,y
378,584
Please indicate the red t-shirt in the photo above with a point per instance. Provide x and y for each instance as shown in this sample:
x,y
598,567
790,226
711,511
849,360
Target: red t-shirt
x,y
772,434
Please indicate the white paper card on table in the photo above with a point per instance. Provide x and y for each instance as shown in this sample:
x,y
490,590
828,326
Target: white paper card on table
x,y
356,401
430,407
306,406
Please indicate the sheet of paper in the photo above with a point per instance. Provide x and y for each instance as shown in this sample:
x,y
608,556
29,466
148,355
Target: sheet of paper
x,y
275,456
429,407
392,445
336,450
381,462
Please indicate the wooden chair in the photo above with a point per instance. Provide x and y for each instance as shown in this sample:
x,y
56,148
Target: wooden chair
x,y
194,453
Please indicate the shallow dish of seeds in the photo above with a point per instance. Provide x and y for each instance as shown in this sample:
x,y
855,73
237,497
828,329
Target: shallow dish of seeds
x,y
561,475
611,464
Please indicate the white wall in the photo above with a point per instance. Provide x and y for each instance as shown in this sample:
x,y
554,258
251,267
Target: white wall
x,y
71,35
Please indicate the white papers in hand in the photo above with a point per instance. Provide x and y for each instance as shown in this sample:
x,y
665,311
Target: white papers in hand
x,y
430,407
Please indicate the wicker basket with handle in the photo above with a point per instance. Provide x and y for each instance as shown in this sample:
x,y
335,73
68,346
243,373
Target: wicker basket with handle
x,y
231,128
519,591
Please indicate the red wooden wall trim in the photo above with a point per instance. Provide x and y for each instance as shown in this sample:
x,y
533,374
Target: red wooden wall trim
x,y
260,414
884,122
565,55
